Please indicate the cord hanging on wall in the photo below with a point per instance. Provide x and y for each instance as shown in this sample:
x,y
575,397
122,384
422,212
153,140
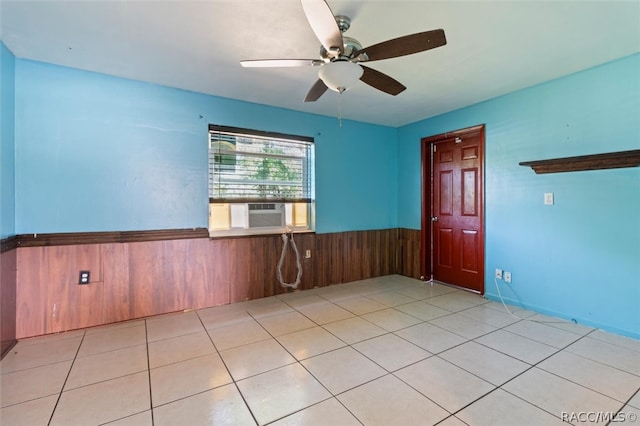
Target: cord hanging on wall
x,y
285,244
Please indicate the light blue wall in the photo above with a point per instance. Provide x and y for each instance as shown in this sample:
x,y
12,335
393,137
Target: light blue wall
x,y
7,159
580,258
99,153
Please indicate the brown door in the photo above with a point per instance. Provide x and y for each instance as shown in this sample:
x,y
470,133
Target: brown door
x,y
455,216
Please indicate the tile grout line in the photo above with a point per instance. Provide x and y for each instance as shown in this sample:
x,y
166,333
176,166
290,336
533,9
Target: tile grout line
x,y
529,369
531,366
467,341
626,404
233,380
296,362
588,359
299,362
350,345
146,339
598,362
55,407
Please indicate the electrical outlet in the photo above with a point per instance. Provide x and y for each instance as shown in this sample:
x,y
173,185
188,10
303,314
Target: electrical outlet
x,y
507,277
307,254
85,277
499,273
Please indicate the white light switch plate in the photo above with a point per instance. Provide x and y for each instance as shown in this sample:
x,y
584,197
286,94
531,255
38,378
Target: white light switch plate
x,y
548,198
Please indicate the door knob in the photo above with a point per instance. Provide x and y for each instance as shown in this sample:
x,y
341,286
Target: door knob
x,y
434,219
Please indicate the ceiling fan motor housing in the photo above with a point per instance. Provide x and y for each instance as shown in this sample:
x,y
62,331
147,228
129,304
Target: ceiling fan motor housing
x,y
349,47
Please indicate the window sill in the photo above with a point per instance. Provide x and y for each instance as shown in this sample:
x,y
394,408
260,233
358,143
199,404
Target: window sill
x,y
244,233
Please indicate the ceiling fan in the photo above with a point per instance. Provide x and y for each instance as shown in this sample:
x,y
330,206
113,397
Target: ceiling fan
x,y
341,56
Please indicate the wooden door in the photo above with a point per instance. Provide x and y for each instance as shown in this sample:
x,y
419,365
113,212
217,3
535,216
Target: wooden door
x,y
455,214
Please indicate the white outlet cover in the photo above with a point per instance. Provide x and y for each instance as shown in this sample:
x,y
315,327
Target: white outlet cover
x,y
548,198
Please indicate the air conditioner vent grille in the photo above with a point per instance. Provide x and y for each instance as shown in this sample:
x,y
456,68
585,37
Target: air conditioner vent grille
x,y
266,215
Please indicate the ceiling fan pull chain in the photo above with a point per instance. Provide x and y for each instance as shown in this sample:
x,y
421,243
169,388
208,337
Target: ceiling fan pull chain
x,y
340,108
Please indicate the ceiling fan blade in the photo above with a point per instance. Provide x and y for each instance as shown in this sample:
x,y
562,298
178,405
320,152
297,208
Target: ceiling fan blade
x,y
316,91
406,45
323,24
268,63
381,81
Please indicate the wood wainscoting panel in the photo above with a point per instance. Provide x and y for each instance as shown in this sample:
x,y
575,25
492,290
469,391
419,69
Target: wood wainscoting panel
x,y
143,278
255,264
151,278
31,292
8,281
247,257
70,305
409,252
117,303
351,250
385,261
193,273
310,273
334,258
145,264
220,262
49,298
171,289
209,291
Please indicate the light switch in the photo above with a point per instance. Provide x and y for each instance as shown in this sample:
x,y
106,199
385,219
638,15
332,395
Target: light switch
x,y
548,198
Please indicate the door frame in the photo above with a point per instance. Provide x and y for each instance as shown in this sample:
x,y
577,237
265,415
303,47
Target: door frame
x,y
426,234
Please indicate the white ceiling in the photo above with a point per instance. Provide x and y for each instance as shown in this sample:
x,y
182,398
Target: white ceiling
x,y
494,47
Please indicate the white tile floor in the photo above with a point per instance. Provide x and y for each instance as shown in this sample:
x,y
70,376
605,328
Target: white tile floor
x,y
384,351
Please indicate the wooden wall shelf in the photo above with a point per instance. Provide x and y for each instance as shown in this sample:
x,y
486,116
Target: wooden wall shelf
x,y
610,160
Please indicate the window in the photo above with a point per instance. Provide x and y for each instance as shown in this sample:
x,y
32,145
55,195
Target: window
x,y
259,182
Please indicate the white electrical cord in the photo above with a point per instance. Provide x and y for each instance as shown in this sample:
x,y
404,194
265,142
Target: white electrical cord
x,y
502,300
285,244
515,316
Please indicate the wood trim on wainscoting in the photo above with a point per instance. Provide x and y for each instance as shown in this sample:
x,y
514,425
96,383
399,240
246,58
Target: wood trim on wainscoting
x,y
78,238
8,244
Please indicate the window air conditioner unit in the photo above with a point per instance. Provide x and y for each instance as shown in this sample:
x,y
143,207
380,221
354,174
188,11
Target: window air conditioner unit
x,y
266,215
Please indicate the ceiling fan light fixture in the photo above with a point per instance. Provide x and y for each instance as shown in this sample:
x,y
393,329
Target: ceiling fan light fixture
x,y
340,75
